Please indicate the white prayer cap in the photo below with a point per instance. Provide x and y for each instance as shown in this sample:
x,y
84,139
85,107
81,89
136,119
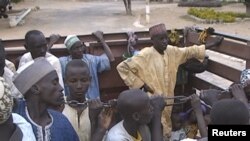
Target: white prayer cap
x,y
70,40
31,73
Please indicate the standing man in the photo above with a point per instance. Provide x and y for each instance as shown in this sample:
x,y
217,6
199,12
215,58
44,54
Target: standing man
x,y
36,45
96,64
127,4
155,68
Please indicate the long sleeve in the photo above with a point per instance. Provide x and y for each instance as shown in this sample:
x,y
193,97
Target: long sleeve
x,y
129,70
183,54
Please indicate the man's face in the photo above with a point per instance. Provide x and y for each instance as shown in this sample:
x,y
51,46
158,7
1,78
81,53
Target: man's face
x,y
78,80
37,46
160,42
51,90
76,51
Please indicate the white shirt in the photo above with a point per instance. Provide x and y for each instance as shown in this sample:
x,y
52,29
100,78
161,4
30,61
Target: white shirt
x,y
118,133
8,76
25,127
83,128
10,65
53,60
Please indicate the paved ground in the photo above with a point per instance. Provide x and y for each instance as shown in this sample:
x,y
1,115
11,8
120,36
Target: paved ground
x,y
83,17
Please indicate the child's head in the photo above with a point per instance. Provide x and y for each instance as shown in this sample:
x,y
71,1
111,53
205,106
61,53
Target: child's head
x,y
229,111
77,78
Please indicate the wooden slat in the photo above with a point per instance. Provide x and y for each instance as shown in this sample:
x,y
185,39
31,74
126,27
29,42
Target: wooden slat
x,y
227,47
201,84
85,38
224,71
227,35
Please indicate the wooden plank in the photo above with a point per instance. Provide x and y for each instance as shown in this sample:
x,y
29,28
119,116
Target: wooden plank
x,y
85,38
227,35
121,36
224,71
202,84
227,47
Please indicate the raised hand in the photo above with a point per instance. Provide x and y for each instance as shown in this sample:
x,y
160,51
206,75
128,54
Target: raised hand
x,y
158,102
218,40
95,107
98,35
105,118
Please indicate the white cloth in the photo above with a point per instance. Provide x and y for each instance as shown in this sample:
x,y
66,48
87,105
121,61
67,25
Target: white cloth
x,y
83,130
178,135
8,76
25,127
118,133
188,139
10,65
53,60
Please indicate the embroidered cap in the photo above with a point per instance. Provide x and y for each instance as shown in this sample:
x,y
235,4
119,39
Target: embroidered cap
x,y
31,73
6,101
70,40
157,29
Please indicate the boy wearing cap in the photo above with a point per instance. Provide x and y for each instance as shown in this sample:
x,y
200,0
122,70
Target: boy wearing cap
x,y
155,68
96,64
13,127
36,46
41,89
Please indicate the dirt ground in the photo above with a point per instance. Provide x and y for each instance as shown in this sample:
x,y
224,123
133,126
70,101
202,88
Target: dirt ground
x,y
83,17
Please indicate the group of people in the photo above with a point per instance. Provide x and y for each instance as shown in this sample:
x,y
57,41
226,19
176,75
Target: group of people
x,y
57,99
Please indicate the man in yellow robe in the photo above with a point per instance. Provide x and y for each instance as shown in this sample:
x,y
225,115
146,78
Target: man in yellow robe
x,y
155,68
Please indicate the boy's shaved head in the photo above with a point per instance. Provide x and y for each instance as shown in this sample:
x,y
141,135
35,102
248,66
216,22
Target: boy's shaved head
x,y
229,111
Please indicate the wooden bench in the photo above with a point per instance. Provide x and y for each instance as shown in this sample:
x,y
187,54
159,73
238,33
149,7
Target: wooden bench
x,y
110,82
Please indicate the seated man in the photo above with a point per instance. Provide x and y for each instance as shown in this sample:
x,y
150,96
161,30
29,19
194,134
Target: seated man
x,y
41,88
77,78
36,46
137,110
96,64
7,73
13,127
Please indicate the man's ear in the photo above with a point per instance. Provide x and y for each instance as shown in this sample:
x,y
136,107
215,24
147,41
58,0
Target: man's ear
x,y
25,46
136,116
35,89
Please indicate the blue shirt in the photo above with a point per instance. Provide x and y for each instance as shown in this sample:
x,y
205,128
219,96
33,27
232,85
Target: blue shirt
x,y
59,129
96,65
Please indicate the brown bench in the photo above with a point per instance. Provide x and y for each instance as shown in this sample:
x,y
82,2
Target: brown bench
x,y
110,82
